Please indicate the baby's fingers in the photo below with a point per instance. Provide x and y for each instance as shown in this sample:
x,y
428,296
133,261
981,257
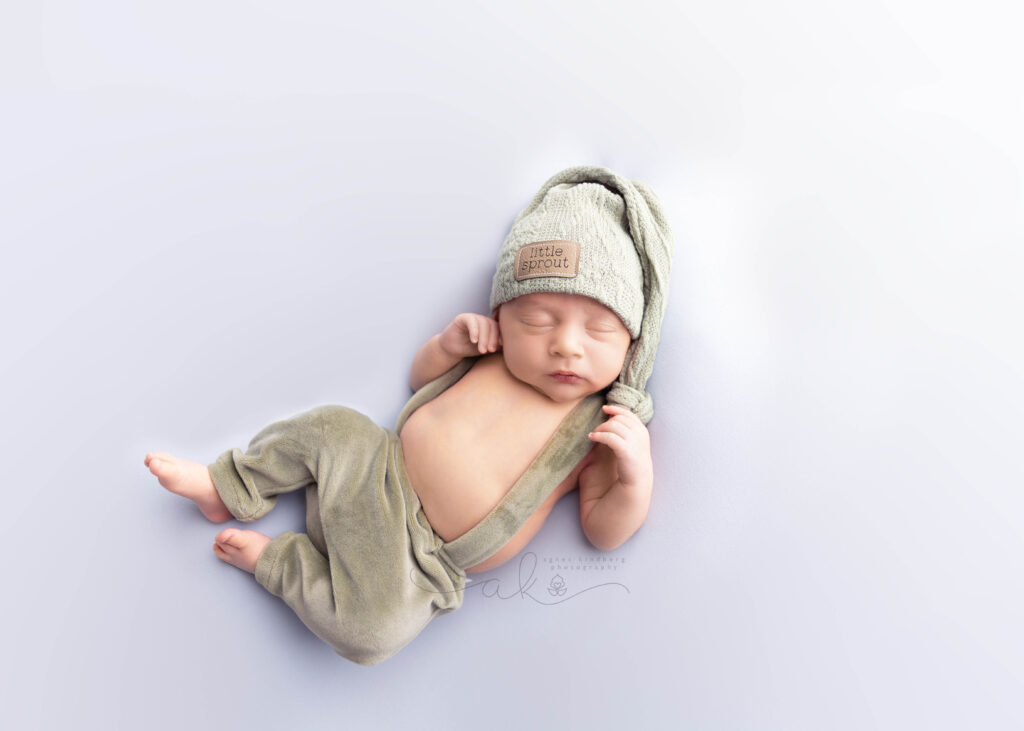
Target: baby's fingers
x,y
472,329
483,340
613,441
477,331
627,416
490,339
606,436
616,427
489,335
480,332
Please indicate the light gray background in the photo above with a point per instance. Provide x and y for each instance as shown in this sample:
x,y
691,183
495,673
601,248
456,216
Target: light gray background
x,y
217,214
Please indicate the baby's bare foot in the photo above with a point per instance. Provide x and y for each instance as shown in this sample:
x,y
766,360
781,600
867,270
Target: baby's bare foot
x,y
191,480
241,548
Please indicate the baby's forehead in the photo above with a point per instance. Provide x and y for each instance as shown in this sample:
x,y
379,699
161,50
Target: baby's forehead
x,y
564,304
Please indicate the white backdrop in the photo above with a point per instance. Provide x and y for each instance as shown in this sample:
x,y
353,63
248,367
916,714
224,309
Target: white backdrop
x,y
192,195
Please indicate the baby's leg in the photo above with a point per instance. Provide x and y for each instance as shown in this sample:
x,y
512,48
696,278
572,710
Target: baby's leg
x,y
282,457
191,480
241,548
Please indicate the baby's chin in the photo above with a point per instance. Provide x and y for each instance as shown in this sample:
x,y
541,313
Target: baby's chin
x,y
568,395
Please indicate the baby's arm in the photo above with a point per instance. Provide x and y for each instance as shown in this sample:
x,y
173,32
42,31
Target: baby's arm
x,y
615,490
467,335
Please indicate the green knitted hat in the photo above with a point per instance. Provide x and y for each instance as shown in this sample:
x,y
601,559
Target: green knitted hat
x,y
591,232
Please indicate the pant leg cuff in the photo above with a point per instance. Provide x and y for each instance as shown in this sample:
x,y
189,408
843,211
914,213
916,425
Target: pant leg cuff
x,y
269,569
243,501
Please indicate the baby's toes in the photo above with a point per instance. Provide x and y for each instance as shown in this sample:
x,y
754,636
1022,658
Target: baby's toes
x,y
150,456
229,537
225,552
155,460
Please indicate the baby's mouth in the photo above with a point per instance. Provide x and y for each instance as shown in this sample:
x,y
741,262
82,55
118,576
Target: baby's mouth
x,y
565,376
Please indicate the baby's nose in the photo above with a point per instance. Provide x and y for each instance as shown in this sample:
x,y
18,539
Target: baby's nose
x,y
567,343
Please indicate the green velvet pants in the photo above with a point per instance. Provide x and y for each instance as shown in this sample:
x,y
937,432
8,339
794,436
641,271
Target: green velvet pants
x,y
370,572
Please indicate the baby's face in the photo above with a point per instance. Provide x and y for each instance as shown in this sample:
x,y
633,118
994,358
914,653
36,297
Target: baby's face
x,y
566,346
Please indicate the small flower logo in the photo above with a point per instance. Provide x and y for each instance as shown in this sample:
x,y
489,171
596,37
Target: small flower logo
x,y
557,586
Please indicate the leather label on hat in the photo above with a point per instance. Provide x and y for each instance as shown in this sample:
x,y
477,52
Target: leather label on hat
x,y
548,259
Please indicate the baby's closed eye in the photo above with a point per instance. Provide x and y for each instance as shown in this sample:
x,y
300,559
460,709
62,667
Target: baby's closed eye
x,y
602,329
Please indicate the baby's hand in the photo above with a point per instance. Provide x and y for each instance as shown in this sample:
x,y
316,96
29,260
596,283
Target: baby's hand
x,y
630,442
470,334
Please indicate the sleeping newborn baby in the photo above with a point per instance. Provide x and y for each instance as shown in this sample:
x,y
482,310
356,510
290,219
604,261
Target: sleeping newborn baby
x,y
510,413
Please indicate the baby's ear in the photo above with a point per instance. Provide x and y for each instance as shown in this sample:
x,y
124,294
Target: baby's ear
x,y
494,315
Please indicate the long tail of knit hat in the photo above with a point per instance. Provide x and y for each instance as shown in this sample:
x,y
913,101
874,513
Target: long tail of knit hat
x,y
592,232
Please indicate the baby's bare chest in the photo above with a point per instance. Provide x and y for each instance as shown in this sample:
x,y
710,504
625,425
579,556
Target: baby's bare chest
x,y
465,449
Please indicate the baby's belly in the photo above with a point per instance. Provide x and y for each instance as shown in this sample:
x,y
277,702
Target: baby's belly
x,y
449,476
457,491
